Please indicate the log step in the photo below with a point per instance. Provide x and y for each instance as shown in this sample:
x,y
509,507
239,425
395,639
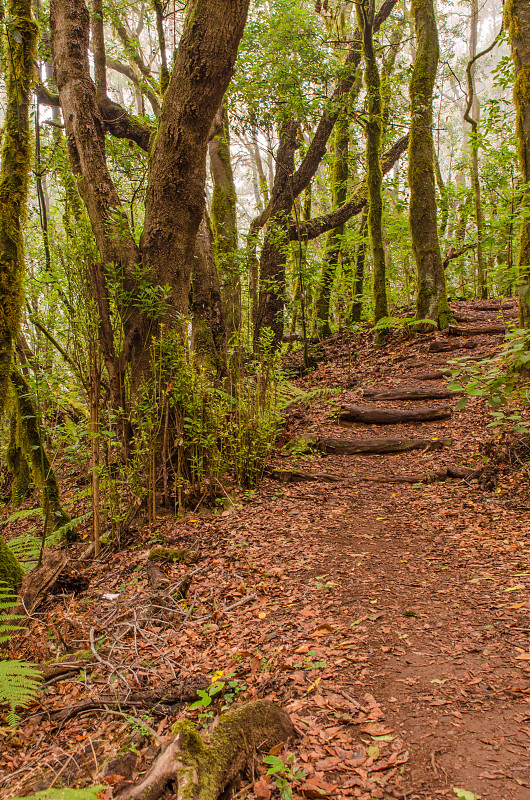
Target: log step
x,y
437,375
373,415
379,445
410,394
476,330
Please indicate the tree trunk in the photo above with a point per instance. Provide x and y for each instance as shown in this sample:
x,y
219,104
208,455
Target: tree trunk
x,y
208,337
358,281
374,175
35,454
474,108
274,252
334,247
21,41
224,222
517,18
432,296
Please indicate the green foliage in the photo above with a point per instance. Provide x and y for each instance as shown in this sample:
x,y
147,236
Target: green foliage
x,y
500,379
284,774
284,63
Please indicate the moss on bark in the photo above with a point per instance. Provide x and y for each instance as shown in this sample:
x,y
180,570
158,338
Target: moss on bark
x,y
374,174
10,570
20,40
431,302
224,223
17,465
34,452
335,249
517,22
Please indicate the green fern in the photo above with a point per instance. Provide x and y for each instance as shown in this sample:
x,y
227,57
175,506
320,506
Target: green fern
x,y
19,685
19,681
7,619
90,793
26,547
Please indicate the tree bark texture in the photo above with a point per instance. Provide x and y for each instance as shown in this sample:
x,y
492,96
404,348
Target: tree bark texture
x,y
517,21
432,297
204,64
175,193
21,43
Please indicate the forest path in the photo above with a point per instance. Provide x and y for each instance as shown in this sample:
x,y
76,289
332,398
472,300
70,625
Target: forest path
x,y
425,593
391,620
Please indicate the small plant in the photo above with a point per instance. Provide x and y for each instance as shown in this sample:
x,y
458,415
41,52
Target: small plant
x,y
229,689
284,774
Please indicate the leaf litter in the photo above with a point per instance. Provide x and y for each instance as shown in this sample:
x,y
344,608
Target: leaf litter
x,y
389,620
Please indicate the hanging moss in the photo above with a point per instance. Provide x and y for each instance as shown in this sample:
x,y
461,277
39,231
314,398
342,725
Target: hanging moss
x,y
20,52
34,452
10,570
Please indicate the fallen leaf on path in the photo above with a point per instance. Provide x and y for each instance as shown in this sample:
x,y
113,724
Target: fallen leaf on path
x,y
375,729
262,789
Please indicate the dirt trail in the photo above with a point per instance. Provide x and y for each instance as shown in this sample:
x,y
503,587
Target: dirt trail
x,y
391,620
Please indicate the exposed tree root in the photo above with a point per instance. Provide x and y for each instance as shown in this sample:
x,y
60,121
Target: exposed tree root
x,y
373,415
197,770
297,476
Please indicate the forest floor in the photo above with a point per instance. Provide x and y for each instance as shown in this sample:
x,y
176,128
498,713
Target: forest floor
x,y
390,620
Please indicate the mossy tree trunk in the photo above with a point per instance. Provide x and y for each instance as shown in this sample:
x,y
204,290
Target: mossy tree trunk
x,y
208,336
20,51
431,300
517,20
32,448
472,116
10,570
335,248
224,222
358,279
17,464
374,175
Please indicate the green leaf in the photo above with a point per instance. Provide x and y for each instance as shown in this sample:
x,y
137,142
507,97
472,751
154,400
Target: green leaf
x,y
462,794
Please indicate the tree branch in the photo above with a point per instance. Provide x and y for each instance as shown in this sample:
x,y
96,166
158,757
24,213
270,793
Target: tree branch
x,y
315,227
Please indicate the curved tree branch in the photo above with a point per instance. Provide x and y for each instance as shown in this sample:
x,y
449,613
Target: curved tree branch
x,y
315,227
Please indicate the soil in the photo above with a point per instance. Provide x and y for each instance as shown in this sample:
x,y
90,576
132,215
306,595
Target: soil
x,y
390,620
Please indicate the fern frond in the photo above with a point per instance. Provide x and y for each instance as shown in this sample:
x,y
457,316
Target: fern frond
x,y
90,793
19,685
7,619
